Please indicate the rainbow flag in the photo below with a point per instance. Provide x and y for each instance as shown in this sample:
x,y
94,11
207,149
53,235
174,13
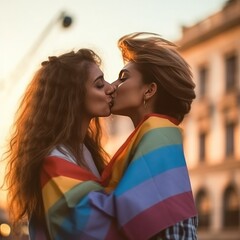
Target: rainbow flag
x,y
68,213
144,190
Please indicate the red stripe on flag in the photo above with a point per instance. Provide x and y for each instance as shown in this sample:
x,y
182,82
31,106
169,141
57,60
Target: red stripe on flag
x,y
55,166
161,216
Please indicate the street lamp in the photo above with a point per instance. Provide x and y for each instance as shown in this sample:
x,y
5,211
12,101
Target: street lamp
x,y
67,21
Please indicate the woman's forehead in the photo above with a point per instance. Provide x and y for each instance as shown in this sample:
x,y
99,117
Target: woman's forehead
x,y
129,66
95,72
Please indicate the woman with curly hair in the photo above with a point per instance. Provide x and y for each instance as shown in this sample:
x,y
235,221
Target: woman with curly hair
x,y
57,124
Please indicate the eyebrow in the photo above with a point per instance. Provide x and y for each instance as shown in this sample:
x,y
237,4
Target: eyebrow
x,y
99,77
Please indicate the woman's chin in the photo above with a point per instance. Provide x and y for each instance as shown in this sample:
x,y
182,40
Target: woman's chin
x,y
107,114
114,111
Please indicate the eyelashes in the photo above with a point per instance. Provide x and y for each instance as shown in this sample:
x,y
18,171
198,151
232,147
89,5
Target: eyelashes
x,y
123,79
100,86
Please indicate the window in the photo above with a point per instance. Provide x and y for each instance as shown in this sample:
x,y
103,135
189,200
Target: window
x,y
231,207
231,72
204,209
202,146
203,75
229,139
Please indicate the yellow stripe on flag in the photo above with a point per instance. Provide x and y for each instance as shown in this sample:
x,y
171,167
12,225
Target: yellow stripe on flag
x,y
56,188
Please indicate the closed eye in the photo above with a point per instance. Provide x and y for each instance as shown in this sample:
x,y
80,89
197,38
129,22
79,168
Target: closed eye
x,y
123,75
100,82
122,79
99,86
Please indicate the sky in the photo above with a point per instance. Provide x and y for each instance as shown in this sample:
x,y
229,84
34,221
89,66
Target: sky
x,y
96,25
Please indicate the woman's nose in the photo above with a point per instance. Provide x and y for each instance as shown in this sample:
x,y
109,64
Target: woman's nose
x,y
110,89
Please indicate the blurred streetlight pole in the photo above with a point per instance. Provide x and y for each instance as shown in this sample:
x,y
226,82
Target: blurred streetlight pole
x,y
62,18
65,21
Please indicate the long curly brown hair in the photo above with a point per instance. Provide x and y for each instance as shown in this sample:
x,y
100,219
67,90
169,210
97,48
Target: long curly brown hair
x,y
49,115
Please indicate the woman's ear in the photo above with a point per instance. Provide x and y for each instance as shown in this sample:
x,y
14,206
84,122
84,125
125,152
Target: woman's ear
x,y
151,90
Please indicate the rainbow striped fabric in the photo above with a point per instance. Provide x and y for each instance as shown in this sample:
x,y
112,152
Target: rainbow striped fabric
x,y
144,190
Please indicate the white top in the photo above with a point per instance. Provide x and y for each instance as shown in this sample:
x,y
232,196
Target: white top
x,y
70,158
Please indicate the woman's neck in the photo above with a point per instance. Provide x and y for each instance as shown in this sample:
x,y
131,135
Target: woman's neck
x,y
137,118
85,124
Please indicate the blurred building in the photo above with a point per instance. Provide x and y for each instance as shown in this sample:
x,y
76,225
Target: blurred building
x,y
212,129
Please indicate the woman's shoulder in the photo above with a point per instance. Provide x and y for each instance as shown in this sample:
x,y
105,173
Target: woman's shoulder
x,y
62,152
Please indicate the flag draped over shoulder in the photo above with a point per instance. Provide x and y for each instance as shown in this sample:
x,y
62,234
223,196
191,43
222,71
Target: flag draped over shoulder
x,y
144,190
68,213
149,184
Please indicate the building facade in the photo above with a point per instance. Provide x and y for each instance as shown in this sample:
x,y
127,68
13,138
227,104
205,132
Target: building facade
x,y
212,129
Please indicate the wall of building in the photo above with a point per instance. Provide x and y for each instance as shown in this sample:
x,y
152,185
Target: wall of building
x,y
217,171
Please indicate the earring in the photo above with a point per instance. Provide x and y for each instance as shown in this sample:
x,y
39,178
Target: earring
x,y
144,103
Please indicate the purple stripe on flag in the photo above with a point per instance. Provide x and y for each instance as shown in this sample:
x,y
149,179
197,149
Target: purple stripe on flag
x,y
101,226
151,192
98,224
114,232
160,216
